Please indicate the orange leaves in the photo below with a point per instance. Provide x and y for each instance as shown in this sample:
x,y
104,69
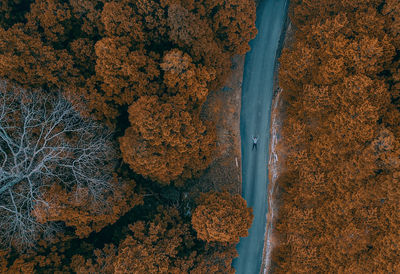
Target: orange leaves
x,y
391,10
108,53
153,247
103,261
187,27
297,71
159,59
371,54
26,59
119,20
221,217
184,78
53,17
235,19
126,74
165,140
342,140
76,209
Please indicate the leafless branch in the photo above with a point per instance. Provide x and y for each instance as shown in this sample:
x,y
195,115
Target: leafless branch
x,y
44,141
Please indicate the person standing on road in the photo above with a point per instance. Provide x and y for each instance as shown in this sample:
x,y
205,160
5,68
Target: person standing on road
x,y
255,139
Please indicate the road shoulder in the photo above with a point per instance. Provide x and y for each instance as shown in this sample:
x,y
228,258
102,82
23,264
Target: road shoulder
x,y
275,162
223,108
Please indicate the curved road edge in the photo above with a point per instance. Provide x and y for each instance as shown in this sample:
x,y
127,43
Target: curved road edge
x,y
274,162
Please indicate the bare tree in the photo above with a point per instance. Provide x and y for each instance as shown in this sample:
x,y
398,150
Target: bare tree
x,y
44,141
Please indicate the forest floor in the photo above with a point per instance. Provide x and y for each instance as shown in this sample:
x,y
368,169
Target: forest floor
x,y
275,163
223,108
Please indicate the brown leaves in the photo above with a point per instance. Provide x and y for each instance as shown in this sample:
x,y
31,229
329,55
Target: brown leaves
x,y
235,19
222,217
53,17
184,78
160,59
126,73
26,59
103,261
342,140
165,141
77,209
109,54
119,20
153,247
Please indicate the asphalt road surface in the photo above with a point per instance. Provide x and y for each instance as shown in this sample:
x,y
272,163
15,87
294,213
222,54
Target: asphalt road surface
x,y
255,116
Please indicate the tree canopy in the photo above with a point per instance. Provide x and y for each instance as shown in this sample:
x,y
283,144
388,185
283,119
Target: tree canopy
x,y
101,132
165,141
338,208
221,217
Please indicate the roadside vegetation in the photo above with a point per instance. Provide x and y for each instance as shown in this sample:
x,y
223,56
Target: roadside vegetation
x,y
339,201
102,138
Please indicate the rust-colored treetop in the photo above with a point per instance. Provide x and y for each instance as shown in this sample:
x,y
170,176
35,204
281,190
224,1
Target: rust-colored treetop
x,y
340,190
221,217
165,141
154,247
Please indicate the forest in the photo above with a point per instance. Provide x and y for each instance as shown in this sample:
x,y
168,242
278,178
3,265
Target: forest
x,y
101,137
339,192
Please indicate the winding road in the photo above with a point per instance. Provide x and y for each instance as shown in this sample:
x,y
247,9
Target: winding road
x,y
255,115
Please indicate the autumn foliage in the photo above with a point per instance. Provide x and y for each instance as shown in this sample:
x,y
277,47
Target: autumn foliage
x,y
165,141
339,191
221,217
167,245
144,70
110,52
154,247
78,212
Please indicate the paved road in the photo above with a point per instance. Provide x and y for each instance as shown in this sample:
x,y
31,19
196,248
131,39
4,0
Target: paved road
x,y
254,120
